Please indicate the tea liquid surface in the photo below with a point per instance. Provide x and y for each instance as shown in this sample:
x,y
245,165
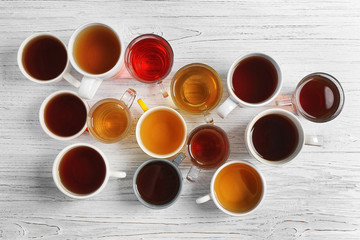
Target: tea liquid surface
x,y
96,49
82,170
44,58
208,146
151,59
238,187
274,137
158,183
65,115
196,89
319,98
162,132
254,80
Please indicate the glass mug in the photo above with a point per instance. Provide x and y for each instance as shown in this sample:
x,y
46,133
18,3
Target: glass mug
x,y
149,59
160,131
81,171
196,88
157,183
109,120
237,188
95,51
43,58
318,97
276,136
253,80
207,148
63,114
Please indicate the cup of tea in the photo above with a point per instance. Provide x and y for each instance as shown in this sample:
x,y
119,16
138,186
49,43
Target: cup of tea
x,y
43,58
63,114
109,120
207,148
253,80
149,59
276,136
160,131
318,97
237,188
82,170
197,89
95,51
157,183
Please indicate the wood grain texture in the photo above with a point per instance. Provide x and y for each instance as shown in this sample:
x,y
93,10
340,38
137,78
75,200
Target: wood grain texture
x,y
317,196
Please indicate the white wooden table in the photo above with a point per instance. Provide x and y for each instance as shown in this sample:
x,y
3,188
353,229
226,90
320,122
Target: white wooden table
x,y
317,196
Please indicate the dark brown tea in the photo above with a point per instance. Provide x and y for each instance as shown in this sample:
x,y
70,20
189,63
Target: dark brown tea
x,y
82,170
274,137
208,146
97,49
65,115
158,183
255,79
44,58
319,98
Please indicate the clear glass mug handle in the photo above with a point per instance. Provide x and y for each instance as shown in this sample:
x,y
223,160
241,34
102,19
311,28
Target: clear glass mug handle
x,y
284,100
193,173
162,89
128,97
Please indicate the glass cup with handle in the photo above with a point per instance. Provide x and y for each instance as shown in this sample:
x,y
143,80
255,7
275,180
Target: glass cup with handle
x,y
197,89
253,80
318,97
149,59
43,58
95,51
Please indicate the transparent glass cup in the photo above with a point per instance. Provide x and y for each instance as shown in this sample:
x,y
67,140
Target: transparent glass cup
x,y
109,120
318,97
149,59
197,89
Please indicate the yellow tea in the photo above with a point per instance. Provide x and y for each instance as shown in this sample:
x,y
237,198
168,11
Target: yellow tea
x,y
109,120
162,132
196,88
238,187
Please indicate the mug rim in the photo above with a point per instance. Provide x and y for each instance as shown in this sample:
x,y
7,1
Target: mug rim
x,y
138,137
94,107
248,140
42,118
216,201
111,72
21,65
138,195
230,75
136,40
301,84
220,85
56,177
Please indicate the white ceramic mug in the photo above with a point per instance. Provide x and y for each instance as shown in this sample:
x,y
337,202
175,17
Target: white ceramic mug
x,y
91,82
303,139
233,101
140,122
213,196
65,74
42,115
63,189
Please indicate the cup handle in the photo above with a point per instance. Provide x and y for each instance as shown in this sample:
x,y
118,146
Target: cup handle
x,y
118,174
71,79
193,174
88,87
142,105
128,97
203,199
162,89
285,100
208,118
313,140
179,158
226,107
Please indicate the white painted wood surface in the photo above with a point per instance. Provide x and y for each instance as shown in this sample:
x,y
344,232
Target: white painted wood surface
x,y
317,196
